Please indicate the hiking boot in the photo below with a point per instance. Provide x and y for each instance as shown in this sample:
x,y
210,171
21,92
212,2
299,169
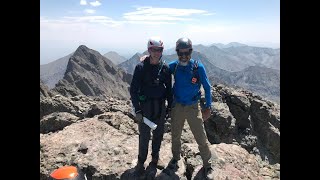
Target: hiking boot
x,y
158,163
151,171
172,167
139,169
173,164
208,173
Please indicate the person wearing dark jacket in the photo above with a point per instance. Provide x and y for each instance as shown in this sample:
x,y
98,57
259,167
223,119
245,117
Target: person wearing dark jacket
x,y
151,86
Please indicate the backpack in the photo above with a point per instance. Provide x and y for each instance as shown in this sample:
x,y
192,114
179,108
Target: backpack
x,y
195,76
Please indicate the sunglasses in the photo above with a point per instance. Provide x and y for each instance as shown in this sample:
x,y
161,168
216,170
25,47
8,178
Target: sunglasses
x,y
184,53
156,50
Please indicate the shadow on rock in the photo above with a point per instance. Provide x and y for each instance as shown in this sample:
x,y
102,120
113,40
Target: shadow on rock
x,y
131,175
200,174
169,174
151,172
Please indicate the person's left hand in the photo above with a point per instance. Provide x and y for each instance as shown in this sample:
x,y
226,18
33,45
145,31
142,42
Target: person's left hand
x,y
206,113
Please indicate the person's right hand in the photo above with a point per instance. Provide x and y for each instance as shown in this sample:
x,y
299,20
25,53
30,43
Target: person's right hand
x,y
206,113
139,117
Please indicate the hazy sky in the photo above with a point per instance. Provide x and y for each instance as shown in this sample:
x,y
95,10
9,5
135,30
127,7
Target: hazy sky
x,y
124,26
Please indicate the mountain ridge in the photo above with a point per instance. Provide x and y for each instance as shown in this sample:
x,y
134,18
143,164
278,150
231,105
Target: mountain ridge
x,y
90,73
114,57
271,89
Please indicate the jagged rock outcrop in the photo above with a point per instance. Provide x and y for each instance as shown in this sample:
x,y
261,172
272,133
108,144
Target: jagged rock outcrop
x,y
89,73
243,118
244,130
60,103
44,91
82,106
56,121
266,123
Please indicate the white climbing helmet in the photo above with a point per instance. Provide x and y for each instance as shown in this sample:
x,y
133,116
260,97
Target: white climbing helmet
x,y
155,42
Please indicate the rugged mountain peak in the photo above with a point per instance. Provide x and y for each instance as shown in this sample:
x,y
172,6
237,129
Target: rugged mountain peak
x,y
90,73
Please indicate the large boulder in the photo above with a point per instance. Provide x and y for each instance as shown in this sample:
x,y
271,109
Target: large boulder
x,y
56,121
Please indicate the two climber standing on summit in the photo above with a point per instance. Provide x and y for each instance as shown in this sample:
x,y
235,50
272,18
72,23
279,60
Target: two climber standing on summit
x,y
152,85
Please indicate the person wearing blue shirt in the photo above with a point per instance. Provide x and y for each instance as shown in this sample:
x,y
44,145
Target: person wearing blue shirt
x,y
189,75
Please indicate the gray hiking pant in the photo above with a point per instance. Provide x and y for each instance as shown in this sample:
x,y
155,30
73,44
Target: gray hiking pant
x,y
194,117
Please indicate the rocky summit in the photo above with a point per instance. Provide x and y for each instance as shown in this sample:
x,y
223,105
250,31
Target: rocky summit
x,y
100,136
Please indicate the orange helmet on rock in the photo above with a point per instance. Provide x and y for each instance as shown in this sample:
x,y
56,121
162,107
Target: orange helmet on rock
x,y
67,173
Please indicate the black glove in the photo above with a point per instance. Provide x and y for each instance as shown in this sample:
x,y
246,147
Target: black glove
x,y
139,117
168,113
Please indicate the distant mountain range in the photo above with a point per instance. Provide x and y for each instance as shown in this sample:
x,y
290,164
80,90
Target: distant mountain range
x,y
131,63
257,69
52,72
231,44
236,57
115,57
261,80
258,79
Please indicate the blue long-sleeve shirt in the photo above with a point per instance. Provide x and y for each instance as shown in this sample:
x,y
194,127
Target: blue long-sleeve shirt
x,y
184,91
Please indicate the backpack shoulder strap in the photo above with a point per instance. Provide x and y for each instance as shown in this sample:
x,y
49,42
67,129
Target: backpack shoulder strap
x,y
195,64
175,69
195,71
145,70
195,68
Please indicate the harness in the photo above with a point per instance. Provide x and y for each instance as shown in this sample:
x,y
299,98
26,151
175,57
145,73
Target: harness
x,y
154,81
157,80
150,81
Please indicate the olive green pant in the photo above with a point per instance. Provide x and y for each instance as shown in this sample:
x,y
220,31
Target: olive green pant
x,y
194,117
